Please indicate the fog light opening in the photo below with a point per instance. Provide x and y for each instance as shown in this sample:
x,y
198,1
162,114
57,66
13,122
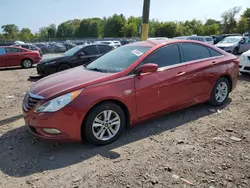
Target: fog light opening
x,y
51,131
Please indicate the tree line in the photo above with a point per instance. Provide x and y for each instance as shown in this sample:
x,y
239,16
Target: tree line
x,y
118,26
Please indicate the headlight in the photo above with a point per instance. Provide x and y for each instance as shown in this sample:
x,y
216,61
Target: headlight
x,y
58,103
242,57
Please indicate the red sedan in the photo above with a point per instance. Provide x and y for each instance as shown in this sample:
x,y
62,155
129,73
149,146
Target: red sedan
x,y
128,85
15,56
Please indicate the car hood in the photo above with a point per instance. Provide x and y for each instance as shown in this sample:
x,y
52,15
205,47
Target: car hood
x,y
67,81
53,59
247,53
225,44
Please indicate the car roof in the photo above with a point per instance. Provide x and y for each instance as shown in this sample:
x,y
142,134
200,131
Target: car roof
x,y
159,43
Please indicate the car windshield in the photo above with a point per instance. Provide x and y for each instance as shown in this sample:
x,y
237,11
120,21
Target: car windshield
x,y
231,40
118,59
72,51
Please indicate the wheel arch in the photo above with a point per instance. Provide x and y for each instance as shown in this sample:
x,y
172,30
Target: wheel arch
x,y
229,78
115,101
26,58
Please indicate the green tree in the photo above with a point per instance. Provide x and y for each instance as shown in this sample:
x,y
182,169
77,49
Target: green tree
x,y
90,28
212,21
167,29
113,26
195,26
246,15
213,29
51,31
43,33
130,29
10,31
154,25
26,35
228,20
2,37
68,29
242,25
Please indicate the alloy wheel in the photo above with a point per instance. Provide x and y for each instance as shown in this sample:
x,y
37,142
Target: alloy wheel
x,y
27,63
221,92
106,125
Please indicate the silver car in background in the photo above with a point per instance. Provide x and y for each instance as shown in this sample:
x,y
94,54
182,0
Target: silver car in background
x,y
209,40
234,44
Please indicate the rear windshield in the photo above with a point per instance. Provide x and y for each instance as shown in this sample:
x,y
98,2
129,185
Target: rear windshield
x,y
208,38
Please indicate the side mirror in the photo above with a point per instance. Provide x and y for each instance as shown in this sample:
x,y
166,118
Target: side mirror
x,y
81,54
242,41
147,68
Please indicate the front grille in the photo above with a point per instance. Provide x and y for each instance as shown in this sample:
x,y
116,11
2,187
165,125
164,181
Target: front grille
x,y
31,100
247,68
249,57
240,66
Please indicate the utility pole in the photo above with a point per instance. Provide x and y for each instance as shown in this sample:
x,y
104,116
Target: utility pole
x,y
145,18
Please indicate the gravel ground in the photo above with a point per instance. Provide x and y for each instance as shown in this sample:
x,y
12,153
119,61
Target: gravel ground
x,y
201,146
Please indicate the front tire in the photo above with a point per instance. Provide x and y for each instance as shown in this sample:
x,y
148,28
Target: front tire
x,y
27,63
220,92
235,51
63,67
104,123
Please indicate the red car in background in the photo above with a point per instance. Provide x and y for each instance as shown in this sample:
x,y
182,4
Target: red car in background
x,y
14,56
127,85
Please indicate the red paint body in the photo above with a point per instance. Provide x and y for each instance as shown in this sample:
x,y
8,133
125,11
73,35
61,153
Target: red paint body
x,y
145,96
15,59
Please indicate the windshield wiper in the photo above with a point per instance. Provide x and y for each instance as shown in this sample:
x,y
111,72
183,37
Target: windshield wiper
x,y
96,69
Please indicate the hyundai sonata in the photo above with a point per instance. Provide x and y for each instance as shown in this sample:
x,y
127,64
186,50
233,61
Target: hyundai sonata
x,y
128,85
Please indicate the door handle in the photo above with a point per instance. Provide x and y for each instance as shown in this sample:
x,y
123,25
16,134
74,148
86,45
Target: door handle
x,y
214,62
180,73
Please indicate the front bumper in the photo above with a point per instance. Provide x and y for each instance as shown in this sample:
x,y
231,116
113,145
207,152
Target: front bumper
x,y
44,70
229,50
68,121
244,64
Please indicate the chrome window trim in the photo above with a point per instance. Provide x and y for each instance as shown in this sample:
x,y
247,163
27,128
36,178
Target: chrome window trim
x,y
186,63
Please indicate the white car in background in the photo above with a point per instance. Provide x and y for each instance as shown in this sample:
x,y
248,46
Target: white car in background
x,y
158,38
209,40
244,64
114,44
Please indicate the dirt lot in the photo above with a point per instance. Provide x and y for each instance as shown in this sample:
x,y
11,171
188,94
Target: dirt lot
x,y
192,146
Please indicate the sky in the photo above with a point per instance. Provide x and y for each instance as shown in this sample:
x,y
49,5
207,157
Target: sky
x,y
34,14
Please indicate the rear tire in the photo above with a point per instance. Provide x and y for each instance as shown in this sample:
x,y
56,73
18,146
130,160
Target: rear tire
x,y
99,130
63,67
27,63
220,92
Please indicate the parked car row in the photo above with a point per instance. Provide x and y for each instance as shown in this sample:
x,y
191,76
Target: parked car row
x,y
230,43
234,44
125,86
79,55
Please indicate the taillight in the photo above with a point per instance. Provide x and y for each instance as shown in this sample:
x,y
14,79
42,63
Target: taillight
x,y
237,61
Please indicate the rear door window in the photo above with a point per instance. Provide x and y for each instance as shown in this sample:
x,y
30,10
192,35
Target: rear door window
x,y
25,46
192,52
13,50
166,56
2,51
33,47
103,49
91,50
214,53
